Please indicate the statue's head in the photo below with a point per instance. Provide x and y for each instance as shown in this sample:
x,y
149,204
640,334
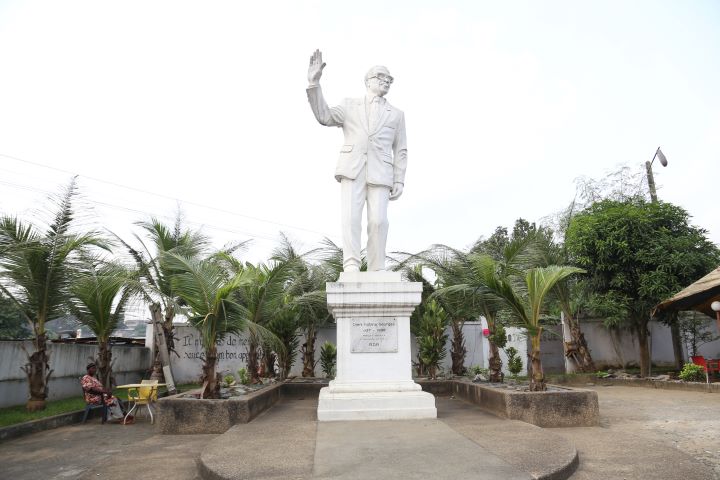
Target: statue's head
x,y
378,80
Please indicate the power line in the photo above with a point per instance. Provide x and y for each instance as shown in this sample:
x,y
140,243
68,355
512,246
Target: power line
x,y
257,236
167,197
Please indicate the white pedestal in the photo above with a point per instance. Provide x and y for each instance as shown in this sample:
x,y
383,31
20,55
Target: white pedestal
x,y
374,369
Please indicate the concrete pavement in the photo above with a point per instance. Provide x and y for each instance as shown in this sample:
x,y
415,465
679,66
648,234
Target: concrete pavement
x,y
644,434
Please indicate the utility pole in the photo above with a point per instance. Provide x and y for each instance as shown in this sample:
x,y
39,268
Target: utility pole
x,y
650,178
674,327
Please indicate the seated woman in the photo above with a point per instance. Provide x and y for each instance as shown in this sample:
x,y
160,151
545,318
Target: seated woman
x,y
96,394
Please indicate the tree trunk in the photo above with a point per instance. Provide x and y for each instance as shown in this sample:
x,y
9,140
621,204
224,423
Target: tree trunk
x,y
285,363
677,342
643,344
457,348
104,363
495,364
161,353
537,381
211,386
253,360
420,366
269,358
308,354
38,373
169,330
582,356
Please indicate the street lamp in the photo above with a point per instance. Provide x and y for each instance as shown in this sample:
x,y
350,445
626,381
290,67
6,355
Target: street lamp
x,y
648,166
716,307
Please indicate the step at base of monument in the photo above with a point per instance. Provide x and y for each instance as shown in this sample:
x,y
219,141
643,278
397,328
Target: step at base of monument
x,y
407,405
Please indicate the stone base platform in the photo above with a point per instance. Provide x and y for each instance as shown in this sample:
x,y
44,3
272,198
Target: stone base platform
x,y
380,405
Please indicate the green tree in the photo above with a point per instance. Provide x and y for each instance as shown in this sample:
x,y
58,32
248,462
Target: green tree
x,y
207,291
328,358
262,295
636,254
432,338
525,298
37,265
12,322
98,296
307,293
284,325
568,294
465,279
155,285
449,266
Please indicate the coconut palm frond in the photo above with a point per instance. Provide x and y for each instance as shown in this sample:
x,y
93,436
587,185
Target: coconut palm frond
x,y
98,298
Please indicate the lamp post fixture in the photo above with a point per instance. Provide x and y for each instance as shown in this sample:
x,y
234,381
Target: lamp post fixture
x,y
716,307
650,178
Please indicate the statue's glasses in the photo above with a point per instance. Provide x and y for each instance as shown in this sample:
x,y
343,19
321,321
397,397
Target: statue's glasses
x,y
384,78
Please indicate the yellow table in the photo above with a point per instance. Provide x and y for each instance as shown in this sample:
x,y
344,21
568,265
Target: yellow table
x,y
142,400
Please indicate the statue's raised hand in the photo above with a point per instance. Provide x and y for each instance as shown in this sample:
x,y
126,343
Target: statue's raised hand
x,y
316,67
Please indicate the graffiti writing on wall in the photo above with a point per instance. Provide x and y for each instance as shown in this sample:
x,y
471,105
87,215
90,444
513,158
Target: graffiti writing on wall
x,y
232,347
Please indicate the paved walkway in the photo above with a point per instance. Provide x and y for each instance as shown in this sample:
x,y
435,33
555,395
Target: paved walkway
x,y
452,447
645,434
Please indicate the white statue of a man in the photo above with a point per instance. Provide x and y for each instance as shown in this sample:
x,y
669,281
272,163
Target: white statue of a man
x,y
372,163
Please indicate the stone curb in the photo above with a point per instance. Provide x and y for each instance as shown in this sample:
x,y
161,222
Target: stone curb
x,y
48,423
20,429
584,379
564,472
574,408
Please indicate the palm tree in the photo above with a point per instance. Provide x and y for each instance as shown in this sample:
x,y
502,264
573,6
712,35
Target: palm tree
x,y
305,292
98,297
36,267
569,296
284,325
156,286
261,295
461,292
525,299
208,293
472,289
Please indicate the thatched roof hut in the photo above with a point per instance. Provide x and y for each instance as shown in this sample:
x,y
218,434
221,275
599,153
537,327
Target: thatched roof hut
x,y
697,296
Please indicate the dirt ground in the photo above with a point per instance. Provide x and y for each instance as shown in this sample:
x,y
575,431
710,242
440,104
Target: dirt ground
x,y
688,422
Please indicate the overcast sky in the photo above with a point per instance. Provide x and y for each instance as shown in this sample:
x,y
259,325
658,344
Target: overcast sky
x,y
202,104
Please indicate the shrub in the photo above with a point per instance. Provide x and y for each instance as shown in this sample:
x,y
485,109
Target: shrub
x,y
477,370
328,357
229,379
431,339
692,373
515,364
243,376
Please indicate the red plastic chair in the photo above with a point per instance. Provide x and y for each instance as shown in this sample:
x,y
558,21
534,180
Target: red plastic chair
x,y
699,360
711,366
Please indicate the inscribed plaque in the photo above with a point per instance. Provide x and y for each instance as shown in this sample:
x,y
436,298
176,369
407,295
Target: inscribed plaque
x,y
374,335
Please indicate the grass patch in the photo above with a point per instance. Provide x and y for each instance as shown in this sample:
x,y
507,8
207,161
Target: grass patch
x,y
18,414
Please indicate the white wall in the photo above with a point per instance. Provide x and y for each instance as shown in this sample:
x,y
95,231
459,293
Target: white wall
x,y
603,353
68,362
232,352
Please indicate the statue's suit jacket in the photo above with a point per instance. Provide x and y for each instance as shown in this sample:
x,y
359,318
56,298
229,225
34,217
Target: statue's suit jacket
x,y
383,150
